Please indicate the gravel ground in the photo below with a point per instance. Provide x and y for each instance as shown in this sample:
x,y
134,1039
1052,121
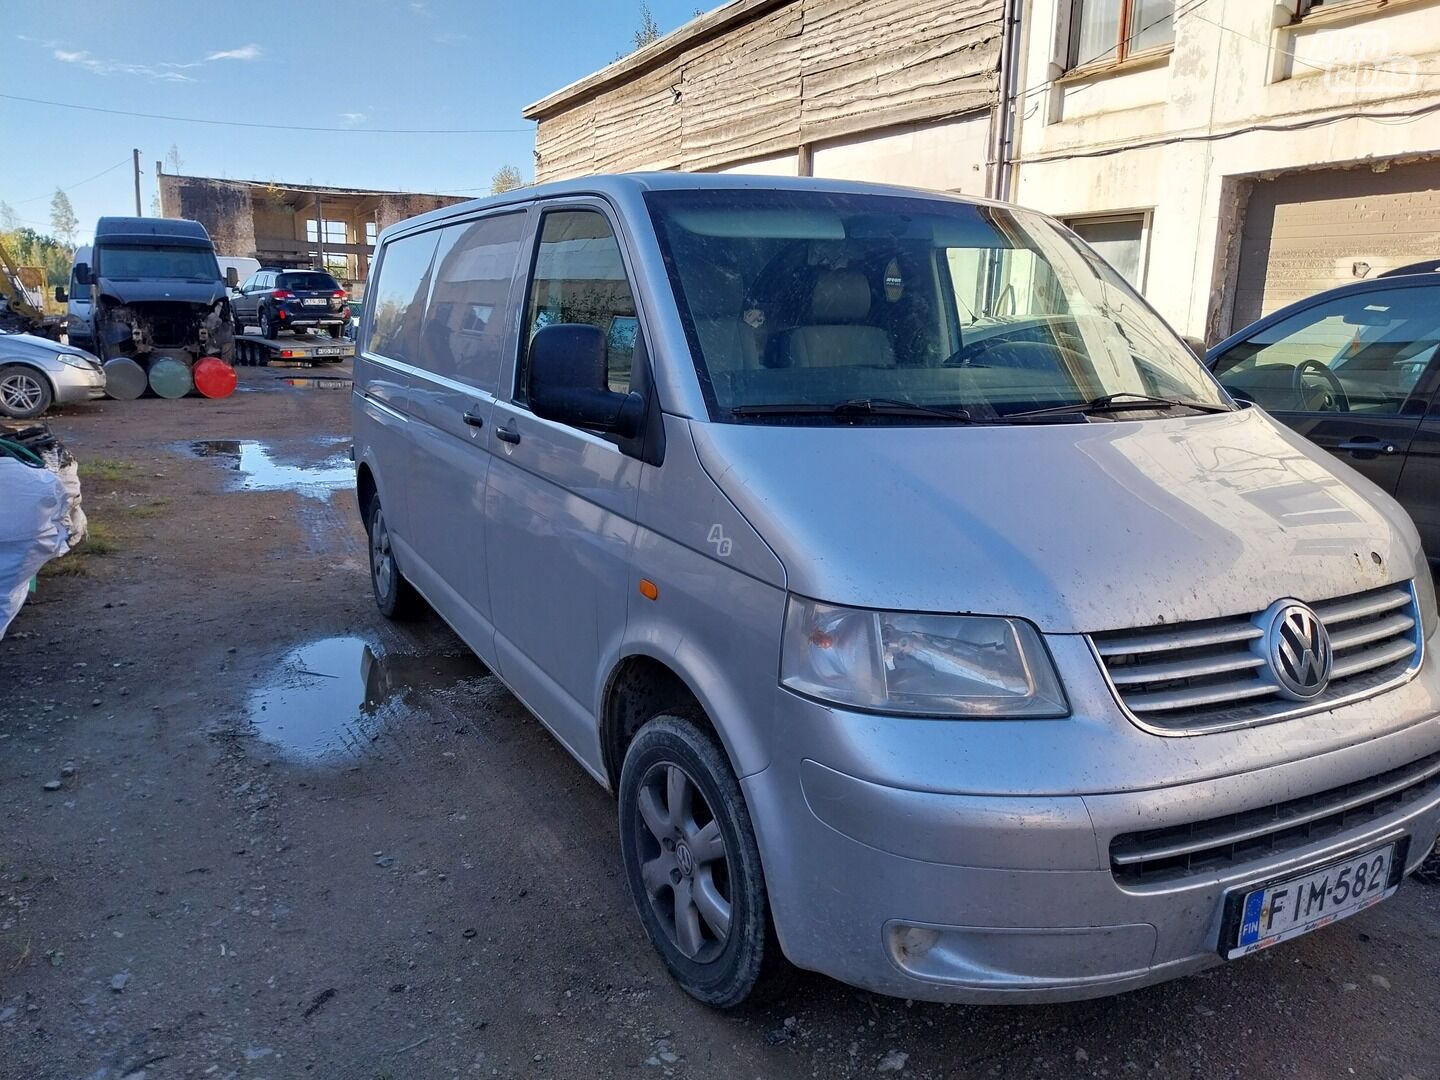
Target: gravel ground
x,y
290,840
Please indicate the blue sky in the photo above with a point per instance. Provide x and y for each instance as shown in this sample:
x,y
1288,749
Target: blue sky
x,y
359,65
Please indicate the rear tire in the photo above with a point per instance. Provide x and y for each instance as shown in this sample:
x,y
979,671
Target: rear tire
x,y
394,596
693,865
269,325
24,392
337,331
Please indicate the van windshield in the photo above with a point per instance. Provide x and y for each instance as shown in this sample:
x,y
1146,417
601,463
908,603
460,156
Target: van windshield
x,y
798,303
157,261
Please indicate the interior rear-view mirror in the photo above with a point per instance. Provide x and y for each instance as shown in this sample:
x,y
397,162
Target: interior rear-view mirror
x,y
1367,316
568,382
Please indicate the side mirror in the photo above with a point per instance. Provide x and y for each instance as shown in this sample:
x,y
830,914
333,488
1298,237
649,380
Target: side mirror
x,y
568,382
232,277
82,273
60,296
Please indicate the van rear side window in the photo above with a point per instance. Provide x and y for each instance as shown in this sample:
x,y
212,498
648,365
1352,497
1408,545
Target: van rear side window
x,y
465,322
398,296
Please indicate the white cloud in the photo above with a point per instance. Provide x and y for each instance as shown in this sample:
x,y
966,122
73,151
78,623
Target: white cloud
x,y
352,119
164,72
451,37
82,58
245,52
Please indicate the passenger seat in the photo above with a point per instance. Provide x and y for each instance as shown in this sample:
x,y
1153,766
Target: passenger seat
x,y
837,335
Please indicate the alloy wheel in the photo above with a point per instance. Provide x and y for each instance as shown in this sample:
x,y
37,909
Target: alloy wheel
x,y
684,862
20,393
382,562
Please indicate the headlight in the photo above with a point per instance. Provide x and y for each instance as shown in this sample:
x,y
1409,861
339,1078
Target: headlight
x,y
73,360
1425,591
919,665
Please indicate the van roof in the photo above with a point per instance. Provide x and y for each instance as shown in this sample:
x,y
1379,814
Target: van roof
x,y
136,229
625,184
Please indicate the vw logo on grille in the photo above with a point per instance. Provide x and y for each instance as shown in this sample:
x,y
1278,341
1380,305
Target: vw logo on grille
x,y
1297,647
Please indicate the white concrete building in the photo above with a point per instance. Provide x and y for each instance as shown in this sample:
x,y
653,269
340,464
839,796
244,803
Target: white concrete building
x,y
1231,156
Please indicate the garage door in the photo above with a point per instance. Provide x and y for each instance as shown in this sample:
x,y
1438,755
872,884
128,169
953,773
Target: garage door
x,y
1306,232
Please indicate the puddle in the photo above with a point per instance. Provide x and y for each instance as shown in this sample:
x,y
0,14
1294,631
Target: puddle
x,y
338,696
317,382
261,472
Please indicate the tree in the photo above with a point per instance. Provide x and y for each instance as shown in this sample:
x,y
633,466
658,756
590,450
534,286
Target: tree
x,y
649,29
63,219
173,161
30,248
8,221
506,178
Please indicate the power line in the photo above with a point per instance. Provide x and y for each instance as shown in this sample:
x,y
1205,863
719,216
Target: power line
x,y
71,187
268,127
1393,117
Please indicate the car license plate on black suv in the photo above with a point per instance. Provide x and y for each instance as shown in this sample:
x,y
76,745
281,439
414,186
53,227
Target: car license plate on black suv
x,y
1280,910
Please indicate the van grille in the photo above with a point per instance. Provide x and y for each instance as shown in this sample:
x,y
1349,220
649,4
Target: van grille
x,y
1212,675
1216,844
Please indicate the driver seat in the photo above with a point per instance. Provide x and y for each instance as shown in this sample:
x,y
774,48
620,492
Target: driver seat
x,y
837,335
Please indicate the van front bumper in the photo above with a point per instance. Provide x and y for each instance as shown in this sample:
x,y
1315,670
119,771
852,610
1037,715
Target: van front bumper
x,y
981,898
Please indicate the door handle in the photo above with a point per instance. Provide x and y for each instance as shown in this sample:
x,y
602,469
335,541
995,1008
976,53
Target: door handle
x,y
1367,444
509,435
474,421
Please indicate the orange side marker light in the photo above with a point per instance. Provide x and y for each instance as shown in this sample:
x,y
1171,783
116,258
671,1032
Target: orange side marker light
x,y
649,589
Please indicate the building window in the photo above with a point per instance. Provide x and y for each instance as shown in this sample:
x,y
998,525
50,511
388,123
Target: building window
x,y
1112,31
335,231
372,230
1122,240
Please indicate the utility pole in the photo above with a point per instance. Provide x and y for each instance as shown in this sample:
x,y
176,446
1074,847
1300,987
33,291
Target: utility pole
x,y
136,155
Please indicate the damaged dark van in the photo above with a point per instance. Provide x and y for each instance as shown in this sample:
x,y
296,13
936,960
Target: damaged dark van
x,y
156,288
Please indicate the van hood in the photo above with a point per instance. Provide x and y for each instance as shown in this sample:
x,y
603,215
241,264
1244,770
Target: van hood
x,y
1076,527
146,290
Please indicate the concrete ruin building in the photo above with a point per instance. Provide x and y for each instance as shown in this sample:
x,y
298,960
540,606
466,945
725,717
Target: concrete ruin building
x,y
301,225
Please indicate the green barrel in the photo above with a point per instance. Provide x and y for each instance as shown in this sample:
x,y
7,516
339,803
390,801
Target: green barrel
x,y
170,378
124,379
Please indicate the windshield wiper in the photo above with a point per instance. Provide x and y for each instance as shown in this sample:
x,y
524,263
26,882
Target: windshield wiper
x,y
1119,402
856,407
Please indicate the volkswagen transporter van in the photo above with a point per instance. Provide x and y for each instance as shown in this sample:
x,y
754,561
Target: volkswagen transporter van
x,y
939,622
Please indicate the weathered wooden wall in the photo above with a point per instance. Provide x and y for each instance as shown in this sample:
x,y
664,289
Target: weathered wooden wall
x,y
783,74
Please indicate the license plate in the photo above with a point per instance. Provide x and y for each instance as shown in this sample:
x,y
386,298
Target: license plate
x,y
314,302
329,351
1286,909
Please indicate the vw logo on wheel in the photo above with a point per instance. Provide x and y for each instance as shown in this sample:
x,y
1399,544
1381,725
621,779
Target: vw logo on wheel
x,y
1297,647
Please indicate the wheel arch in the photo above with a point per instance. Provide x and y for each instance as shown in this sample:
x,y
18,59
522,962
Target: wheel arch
x,y
365,490
645,683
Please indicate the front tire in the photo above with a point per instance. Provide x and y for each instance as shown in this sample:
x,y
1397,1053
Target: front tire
x,y
692,863
394,596
24,392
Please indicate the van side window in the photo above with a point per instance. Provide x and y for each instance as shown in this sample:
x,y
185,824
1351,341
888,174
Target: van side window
x,y
466,320
399,295
580,278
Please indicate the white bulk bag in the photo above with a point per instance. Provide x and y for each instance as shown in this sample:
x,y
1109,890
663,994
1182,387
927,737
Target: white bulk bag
x,y
32,530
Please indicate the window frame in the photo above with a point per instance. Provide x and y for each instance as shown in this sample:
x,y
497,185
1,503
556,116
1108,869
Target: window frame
x,y
1071,13
1147,224
541,210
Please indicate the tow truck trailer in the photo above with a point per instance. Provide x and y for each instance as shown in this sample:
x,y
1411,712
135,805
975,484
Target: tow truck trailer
x,y
311,350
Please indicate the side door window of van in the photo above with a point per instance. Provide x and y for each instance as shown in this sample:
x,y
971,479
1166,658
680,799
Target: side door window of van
x,y
465,324
580,278
398,296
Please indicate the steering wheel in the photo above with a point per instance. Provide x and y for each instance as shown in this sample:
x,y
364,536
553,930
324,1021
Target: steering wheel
x,y
1025,355
1330,398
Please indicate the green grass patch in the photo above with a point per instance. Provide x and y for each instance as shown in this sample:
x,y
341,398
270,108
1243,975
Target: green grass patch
x,y
153,508
107,469
100,541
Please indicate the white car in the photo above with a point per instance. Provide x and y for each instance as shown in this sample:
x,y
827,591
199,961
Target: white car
x,y
36,373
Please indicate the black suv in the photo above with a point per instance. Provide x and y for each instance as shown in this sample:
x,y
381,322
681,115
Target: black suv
x,y
297,300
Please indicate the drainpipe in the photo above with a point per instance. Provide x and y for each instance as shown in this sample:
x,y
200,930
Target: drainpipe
x,y
1003,149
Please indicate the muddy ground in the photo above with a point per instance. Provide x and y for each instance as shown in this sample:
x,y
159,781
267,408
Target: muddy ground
x,y
291,840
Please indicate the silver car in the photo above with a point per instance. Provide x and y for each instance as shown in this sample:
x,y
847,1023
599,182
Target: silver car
x,y
939,622
36,372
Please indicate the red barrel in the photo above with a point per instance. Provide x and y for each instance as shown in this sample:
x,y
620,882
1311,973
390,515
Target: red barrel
x,y
214,378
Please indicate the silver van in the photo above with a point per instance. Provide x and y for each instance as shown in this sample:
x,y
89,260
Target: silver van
x,y
939,622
